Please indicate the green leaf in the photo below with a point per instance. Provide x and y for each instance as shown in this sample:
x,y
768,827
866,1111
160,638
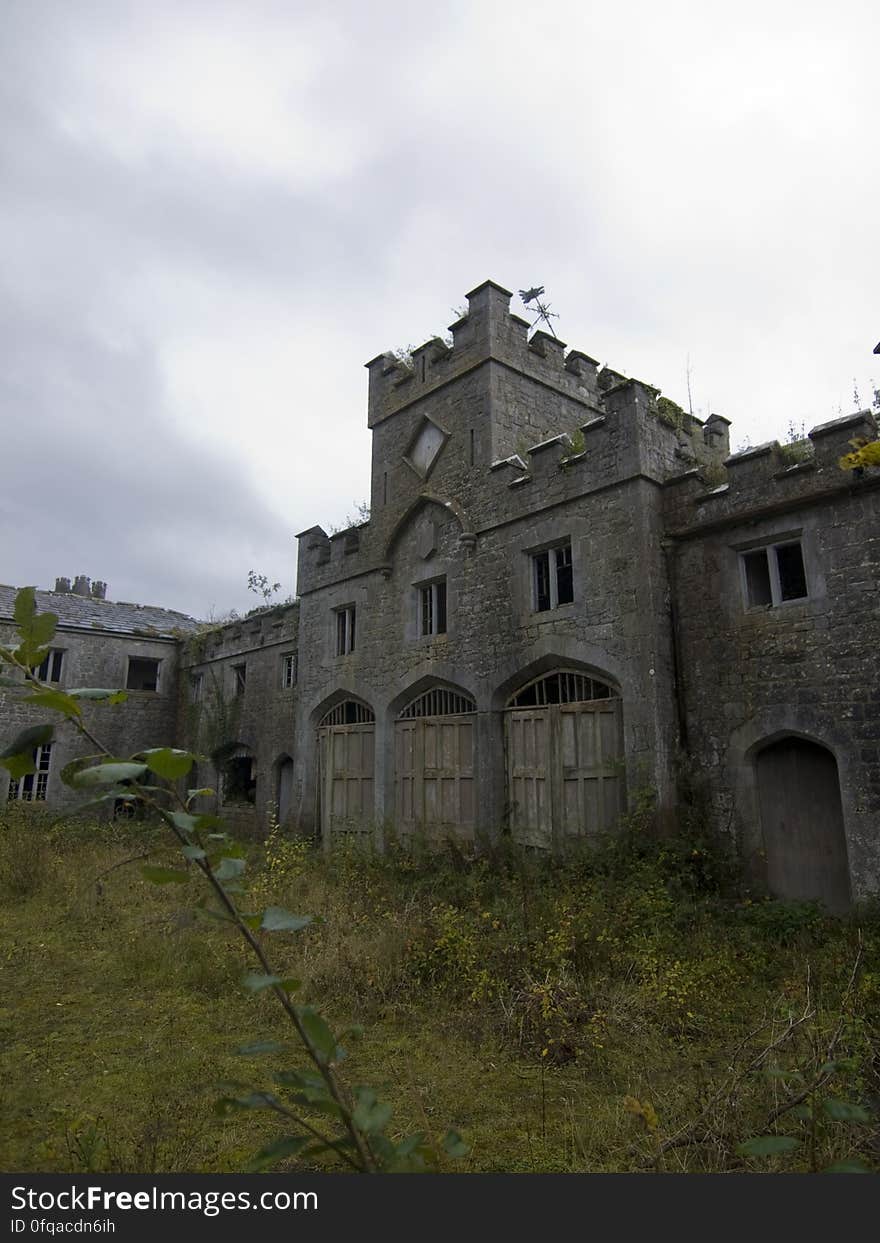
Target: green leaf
x,y
768,1145
258,1046
168,762
229,869
257,981
99,693
276,919
204,792
847,1167
845,1111
57,701
370,1116
318,1033
454,1145
227,1105
27,740
165,876
108,774
73,767
36,629
287,1146
802,1111
193,852
19,765
777,1072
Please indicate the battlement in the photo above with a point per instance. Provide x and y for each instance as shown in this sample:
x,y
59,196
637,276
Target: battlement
x,y
768,475
489,331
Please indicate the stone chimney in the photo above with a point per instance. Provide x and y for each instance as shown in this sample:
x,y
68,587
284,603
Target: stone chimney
x,y
62,584
99,590
81,585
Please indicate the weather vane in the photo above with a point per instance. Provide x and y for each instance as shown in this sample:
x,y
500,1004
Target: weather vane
x,y
543,308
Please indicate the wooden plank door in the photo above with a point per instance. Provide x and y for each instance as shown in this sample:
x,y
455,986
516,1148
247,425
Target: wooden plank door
x,y
802,823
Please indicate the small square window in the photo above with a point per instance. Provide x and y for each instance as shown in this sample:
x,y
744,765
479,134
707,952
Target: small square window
x,y
239,679
345,630
143,674
432,608
552,578
288,670
774,574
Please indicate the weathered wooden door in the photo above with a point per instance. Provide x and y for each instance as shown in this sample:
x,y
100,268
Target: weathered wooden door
x,y
434,752
802,823
564,760
346,771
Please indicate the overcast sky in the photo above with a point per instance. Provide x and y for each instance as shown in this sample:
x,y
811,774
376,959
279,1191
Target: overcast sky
x,y
212,214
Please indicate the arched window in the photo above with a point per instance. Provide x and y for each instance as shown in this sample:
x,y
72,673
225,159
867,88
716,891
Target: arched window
x,y
349,712
563,686
438,701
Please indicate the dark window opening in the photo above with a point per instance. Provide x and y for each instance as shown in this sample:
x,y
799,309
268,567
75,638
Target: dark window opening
x,y
758,578
432,600
288,670
564,575
143,674
239,679
542,582
774,574
792,576
50,669
553,578
345,630
239,782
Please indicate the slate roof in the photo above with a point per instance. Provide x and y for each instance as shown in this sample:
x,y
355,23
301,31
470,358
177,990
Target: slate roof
x,y
86,613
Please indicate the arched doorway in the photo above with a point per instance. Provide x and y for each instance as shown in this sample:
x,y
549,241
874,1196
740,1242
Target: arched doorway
x,y
434,752
346,770
564,752
802,823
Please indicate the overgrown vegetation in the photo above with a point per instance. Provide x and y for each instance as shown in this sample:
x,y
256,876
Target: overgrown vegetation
x,y
622,1011
629,1008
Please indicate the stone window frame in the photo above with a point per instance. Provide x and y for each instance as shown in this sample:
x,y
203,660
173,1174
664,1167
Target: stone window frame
x,y
239,679
536,558
53,664
786,539
155,660
432,607
344,629
289,670
196,687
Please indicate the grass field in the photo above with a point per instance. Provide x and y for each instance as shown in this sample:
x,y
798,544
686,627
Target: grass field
x,y
630,1010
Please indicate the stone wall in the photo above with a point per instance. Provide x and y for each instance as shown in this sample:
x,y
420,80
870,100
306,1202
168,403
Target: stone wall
x,y
93,658
215,714
804,667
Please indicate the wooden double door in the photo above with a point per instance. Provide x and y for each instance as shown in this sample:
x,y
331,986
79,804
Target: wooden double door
x,y
564,759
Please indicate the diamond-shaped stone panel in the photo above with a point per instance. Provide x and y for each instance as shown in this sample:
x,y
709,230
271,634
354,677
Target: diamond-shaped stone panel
x,y
426,447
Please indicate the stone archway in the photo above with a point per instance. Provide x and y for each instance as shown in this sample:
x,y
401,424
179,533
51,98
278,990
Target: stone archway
x,y
802,822
434,757
564,756
346,770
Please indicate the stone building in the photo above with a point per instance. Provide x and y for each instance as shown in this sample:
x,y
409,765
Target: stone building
x,y
98,643
566,590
